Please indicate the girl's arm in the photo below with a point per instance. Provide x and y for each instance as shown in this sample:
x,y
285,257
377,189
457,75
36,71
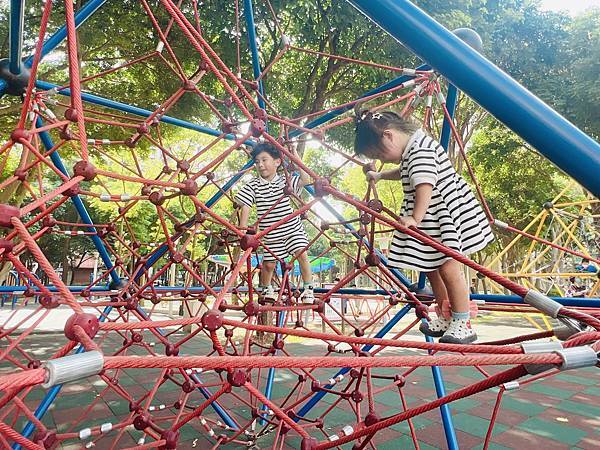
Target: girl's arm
x,y
422,201
393,174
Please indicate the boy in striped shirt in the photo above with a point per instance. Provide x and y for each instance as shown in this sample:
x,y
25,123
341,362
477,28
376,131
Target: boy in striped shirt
x,y
267,193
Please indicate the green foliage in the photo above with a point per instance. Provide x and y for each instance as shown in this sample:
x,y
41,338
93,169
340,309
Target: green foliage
x,y
555,56
582,66
516,181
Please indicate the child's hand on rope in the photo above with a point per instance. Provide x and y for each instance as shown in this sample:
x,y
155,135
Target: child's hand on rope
x,y
408,221
373,176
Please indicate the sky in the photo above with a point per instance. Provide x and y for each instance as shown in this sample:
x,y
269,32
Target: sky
x,y
572,6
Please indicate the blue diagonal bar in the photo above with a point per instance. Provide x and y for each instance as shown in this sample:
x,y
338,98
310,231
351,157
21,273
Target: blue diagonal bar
x,y
15,37
440,391
101,248
380,334
101,101
252,41
552,135
451,98
341,110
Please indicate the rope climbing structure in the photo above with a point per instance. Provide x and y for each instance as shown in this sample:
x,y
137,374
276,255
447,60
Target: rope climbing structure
x,y
213,366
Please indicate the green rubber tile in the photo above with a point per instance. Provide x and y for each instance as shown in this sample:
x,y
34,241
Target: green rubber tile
x,y
341,415
592,390
390,372
418,423
73,400
281,390
591,381
384,438
470,373
464,404
411,402
425,446
125,380
475,425
188,433
390,398
579,408
403,441
451,387
492,446
554,431
589,424
551,391
522,407
423,373
35,395
118,407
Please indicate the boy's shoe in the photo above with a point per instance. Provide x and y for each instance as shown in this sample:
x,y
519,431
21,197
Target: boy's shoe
x,y
268,294
459,332
435,328
308,296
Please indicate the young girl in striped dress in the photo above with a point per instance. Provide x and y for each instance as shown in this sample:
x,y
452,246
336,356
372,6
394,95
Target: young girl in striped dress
x,y
438,202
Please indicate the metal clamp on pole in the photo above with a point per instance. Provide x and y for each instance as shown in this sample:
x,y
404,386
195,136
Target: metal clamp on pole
x,y
577,357
500,224
540,347
564,331
542,303
72,368
511,385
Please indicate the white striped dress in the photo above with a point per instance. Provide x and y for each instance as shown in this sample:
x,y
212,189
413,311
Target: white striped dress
x,y
272,205
453,218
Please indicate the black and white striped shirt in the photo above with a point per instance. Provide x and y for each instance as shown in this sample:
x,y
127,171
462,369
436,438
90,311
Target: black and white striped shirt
x,y
272,204
453,218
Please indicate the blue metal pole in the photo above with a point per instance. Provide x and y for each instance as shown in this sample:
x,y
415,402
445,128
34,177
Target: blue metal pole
x,y
583,302
380,334
15,37
422,280
257,71
348,226
551,134
339,111
78,203
271,373
444,409
85,217
81,16
451,99
252,41
97,100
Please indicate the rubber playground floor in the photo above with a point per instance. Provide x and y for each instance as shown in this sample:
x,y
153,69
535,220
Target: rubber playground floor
x,y
558,412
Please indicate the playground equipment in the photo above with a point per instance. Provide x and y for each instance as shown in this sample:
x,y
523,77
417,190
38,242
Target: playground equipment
x,y
227,392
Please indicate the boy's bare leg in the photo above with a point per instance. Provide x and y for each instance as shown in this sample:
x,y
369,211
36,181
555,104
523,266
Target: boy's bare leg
x,y
305,269
266,272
